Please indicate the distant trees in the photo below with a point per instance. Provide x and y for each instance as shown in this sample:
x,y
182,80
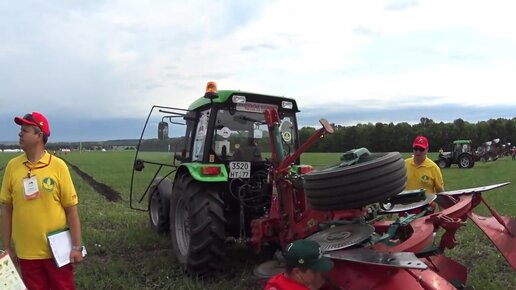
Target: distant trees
x,y
382,137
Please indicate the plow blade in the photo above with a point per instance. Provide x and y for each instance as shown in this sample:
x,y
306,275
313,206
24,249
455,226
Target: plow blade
x,y
360,276
503,235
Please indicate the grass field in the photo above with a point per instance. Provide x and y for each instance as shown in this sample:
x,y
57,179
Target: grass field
x,y
123,253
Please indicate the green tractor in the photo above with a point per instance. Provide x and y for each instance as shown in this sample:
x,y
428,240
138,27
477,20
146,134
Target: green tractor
x,y
461,154
204,187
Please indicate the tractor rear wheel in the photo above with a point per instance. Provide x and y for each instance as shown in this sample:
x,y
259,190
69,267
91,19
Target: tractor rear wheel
x,y
159,204
465,161
197,225
379,177
443,163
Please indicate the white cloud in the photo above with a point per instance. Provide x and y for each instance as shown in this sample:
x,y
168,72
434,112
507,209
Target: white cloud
x,y
118,58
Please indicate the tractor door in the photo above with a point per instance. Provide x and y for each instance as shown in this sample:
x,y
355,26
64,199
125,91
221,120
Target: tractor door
x,y
164,142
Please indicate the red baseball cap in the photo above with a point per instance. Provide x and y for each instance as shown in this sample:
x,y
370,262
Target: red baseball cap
x,y
34,119
420,141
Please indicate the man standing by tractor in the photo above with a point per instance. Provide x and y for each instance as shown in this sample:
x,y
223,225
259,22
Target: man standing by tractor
x,y
421,171
38,197
304,267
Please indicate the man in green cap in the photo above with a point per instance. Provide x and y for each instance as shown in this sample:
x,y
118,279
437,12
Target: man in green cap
x,y
304,267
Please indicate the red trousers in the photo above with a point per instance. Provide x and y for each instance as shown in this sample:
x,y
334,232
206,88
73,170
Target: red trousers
x,y
45,275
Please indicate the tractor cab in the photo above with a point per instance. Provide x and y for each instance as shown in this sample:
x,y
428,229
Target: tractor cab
x,y
461,153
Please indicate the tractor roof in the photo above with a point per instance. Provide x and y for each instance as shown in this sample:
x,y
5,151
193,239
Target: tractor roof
x,y
461,141
224,96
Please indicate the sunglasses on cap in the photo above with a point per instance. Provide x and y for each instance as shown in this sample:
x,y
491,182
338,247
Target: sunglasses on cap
x,y
418,149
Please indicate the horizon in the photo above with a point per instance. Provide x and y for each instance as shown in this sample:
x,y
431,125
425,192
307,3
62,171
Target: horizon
x,y
79,130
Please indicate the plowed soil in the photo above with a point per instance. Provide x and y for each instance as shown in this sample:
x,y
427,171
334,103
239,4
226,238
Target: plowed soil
x,y
109,193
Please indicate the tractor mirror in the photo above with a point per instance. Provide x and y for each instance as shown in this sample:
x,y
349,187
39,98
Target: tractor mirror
x,y
139,165
163,131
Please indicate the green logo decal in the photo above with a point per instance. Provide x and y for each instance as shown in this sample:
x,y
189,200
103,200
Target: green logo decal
x,y
48,184
424,179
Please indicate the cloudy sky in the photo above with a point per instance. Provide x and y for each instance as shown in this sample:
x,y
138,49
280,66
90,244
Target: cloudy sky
x,y
96,67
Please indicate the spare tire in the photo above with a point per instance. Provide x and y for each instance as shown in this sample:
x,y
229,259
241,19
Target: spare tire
x,y
373,179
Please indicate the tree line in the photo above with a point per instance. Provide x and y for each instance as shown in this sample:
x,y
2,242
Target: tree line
x,y
382,137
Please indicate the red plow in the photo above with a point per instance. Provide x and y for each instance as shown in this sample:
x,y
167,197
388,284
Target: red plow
x,y
370,248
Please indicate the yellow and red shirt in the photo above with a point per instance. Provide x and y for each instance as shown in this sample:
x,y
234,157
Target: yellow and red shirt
x,y
427,175
33,219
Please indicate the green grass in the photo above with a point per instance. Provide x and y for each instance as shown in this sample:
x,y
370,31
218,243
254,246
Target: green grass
x,y
123,253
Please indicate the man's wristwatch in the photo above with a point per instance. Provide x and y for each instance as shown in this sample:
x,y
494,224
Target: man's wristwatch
x,y
77,248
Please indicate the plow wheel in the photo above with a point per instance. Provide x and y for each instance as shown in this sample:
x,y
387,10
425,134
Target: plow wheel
x,y
197,225
377,178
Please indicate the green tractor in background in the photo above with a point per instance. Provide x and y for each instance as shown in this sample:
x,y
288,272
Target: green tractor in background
x,y
461,153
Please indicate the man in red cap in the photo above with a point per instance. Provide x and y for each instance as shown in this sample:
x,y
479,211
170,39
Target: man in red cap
x,y
421,171
305,264
38,197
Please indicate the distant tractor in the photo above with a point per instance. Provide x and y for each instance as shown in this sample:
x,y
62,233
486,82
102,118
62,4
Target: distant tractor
x,y
461,154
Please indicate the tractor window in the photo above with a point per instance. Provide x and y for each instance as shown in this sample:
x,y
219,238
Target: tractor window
x,y
244,136
200,135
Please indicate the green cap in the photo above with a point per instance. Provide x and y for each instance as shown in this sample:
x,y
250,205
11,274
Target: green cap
x,y
307,254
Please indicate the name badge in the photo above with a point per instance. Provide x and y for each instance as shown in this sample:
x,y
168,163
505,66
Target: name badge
x,y
30,187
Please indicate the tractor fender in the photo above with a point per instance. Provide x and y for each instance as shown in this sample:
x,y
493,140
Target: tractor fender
x,y
195,170
164,186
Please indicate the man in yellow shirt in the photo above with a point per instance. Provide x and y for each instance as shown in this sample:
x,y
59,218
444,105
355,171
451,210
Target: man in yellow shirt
x,y
421,171
38,197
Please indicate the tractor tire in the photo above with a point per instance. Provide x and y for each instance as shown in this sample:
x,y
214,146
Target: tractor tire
x,y
465,161
443,163
381,176
159,204
197,226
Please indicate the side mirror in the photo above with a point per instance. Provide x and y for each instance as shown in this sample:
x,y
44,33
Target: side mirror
x,y
163,131
139,165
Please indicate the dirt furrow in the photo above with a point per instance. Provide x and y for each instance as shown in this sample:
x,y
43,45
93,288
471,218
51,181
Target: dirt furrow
x,y
109,193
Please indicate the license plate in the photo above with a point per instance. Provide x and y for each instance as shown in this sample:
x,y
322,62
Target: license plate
x,y
239,169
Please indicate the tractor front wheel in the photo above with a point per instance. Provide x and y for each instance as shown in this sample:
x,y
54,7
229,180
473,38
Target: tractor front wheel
x,y
443,163
159,204
197,225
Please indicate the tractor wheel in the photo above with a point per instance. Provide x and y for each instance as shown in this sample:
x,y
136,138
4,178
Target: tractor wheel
x,y
376,179
159,204
197,225
465,161
443,163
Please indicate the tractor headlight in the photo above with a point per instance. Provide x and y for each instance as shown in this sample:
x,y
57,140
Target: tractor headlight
x,y
238,99
287,105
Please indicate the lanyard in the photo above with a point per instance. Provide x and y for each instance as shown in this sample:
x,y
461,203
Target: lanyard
x,y
33,168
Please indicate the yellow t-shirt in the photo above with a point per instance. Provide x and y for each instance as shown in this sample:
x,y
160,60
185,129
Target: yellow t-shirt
x,y
427,175
33,219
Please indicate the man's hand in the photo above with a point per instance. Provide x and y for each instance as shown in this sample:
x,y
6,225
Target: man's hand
x,y
76,257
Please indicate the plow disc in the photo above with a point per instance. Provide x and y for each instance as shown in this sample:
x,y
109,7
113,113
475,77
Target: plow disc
x,y
342,236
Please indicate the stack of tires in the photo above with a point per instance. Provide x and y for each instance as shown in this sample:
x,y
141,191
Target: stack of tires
x,y
374,178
